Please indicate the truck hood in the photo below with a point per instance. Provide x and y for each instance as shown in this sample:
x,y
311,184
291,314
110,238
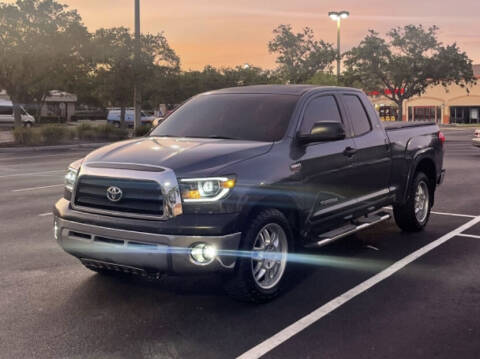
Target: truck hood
x,y
186,156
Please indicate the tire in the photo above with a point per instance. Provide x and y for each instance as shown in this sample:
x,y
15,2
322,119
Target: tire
x,y
413,216
116,124
27,125
269,229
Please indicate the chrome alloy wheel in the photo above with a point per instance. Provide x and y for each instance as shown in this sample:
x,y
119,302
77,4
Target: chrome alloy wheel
x,y
269,257
422,201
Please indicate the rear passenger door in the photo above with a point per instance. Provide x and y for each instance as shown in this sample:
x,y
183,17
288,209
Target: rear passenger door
x,y
371,159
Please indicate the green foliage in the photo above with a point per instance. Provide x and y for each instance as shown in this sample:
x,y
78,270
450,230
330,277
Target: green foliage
x,y
40,38
323,79
406,63
87,132
117,69
177,87
55,134
143,130
44,135
111,133
300,56
27,136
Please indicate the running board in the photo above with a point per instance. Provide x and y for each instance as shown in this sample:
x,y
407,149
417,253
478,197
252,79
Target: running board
x,y
360,224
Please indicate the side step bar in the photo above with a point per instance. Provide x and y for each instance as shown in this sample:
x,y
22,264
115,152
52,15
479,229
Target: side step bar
x,y
360,224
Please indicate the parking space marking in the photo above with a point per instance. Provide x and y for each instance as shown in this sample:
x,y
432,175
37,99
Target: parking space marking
x,y
31,173
468,235
45,214
295,328
389,208
453,214
35,188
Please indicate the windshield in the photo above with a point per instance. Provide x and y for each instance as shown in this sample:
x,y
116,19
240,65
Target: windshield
x,y
252,117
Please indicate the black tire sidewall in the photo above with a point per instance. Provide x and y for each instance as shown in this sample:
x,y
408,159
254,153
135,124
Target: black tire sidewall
x,y
405,215
243,270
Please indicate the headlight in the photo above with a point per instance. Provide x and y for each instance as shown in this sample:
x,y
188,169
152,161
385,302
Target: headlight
x,y
209,189
70,179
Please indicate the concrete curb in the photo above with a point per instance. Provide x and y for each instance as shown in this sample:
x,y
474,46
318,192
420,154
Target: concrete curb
x,y
50,148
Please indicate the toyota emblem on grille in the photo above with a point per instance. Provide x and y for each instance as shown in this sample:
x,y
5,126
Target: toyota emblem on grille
x,y
114,193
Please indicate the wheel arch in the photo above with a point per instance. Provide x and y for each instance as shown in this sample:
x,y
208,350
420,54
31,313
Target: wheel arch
x,y
426,165
283,203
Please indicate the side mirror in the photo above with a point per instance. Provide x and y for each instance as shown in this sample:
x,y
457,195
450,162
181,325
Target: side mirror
x,y
322,132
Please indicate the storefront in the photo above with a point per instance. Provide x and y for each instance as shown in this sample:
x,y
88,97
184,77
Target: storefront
x,y
425,113
454,104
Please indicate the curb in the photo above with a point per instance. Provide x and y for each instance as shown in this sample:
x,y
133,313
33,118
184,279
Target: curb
x,y
49,148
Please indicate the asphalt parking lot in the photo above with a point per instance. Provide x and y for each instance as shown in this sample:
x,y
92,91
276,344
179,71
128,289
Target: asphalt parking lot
x,y
380,294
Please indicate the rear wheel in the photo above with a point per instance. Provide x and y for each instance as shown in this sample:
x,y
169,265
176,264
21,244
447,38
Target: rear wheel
x,y
415,213
27,125
260,273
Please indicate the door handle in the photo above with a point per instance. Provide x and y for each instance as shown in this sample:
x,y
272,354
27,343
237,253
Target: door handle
x,y
349,151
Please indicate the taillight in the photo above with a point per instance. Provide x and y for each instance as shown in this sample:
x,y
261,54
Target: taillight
x,y
477,133
441,137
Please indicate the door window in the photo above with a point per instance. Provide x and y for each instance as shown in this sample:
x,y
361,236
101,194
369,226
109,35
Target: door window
x,y
320,109
360,122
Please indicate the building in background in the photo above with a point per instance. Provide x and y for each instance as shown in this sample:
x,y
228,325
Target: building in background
x,y
59,106
453,104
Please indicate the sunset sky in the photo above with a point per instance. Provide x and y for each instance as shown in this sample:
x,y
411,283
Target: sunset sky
x,y
228,33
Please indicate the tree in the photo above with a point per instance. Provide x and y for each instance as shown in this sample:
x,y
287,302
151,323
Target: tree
x,y
177,87
300,56
115,70
39,38
411,60
323,79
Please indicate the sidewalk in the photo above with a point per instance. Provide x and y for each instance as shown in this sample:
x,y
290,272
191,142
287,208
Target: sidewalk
x,y
50,148
6,136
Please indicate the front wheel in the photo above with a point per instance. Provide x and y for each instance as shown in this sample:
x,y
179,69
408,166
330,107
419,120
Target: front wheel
x,y
415,213
262,262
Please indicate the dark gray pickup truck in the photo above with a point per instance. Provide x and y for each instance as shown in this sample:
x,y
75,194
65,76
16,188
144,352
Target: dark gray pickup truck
x,y
235,180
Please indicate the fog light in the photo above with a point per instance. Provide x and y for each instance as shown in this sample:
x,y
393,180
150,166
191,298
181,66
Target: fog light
x,y
203,253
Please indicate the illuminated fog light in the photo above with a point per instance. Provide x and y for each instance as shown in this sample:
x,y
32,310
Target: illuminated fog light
x,y
203,254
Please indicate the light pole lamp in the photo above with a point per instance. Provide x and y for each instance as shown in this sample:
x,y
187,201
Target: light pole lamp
x,y
338,16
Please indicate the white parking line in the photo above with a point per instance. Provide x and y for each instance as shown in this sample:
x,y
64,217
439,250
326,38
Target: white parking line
x,y
45,214
31,173
389,208
285,334
453,214
468,235
34,188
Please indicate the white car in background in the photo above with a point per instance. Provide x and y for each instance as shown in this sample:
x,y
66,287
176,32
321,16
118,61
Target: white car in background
x,y
476,138
6,115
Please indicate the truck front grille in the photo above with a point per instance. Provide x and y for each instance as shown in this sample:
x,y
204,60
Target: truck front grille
x,y
142,197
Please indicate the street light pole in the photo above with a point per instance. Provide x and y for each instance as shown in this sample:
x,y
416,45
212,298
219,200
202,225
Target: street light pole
x,y
338,16
137,96
338,48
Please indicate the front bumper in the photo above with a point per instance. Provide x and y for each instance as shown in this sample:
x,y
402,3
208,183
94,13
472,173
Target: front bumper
x,y
141,251
476,142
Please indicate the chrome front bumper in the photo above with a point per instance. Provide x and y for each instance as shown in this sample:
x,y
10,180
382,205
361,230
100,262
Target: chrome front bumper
x,y
148,252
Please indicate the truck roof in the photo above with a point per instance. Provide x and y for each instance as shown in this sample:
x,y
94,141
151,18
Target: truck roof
x,y
276,89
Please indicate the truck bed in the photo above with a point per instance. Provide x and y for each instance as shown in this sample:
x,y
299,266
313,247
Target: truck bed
x,y
397,125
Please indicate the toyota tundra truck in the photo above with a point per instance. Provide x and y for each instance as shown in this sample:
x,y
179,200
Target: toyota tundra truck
x,y
236,180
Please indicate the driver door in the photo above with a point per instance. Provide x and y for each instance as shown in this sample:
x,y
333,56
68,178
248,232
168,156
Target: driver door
x,y
326,167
